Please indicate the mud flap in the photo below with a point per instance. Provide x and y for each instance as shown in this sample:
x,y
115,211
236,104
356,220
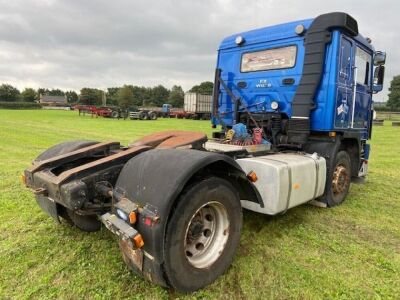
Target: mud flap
x,y
49,206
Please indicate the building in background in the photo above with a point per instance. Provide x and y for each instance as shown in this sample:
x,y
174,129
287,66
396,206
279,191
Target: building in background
x,y
53,100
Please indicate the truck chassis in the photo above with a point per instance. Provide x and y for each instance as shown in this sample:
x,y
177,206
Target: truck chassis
x,y
167,195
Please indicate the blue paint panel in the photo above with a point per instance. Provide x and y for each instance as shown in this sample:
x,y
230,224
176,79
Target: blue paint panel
x,y
263,87
344,97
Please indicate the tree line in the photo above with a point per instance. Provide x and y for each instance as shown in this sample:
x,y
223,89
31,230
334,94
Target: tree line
x,y
394,94
131,95
125,96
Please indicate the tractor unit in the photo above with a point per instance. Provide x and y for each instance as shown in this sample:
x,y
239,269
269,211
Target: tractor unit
x,y
293,108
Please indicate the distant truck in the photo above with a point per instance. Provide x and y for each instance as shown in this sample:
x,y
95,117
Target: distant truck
x,y
150,113
197,106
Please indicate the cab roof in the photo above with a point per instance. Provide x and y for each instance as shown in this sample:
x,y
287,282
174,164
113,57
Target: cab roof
x,y
274,33
266,34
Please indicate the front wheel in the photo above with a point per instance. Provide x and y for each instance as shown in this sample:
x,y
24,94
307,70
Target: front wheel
x,y
340,178
202,234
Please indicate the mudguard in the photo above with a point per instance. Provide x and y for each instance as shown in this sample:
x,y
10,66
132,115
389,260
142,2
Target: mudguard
x,y
155,179
327,149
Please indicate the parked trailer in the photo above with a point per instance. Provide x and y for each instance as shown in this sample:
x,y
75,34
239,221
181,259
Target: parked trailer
x,y
197,106
292,100
102,111
179,113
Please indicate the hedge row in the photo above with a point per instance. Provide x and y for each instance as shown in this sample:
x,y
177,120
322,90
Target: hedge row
x,y
385,108
19,105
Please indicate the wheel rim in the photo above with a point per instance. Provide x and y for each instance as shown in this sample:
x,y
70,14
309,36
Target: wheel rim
x,y
206,234
340,180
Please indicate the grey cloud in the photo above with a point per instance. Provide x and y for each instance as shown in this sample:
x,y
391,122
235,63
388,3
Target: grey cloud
x,y
71,44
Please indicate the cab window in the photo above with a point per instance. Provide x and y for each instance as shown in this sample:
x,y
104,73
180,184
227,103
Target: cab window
x,y
269,59
362,63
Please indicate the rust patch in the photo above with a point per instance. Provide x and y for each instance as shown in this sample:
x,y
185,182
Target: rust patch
x,y
72,155
133,258
108,159
171,139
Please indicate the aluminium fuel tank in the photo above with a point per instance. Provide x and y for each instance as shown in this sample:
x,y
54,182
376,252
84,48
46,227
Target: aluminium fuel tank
x,y
285,180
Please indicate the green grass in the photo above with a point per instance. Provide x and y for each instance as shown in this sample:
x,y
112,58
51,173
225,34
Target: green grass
x,y
351,251
390,116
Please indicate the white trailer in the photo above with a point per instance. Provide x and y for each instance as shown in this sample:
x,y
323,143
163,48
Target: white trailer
x,y
197,106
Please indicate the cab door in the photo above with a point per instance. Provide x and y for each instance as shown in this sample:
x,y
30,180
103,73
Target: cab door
x,y
362,91
344,98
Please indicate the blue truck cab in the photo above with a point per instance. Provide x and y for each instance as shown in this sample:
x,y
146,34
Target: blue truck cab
x,y
307,84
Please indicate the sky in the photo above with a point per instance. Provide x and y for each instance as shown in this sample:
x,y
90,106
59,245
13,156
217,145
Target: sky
x,y
73,44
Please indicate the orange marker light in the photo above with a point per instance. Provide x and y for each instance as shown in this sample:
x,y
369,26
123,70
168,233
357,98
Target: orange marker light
x,y
332,134
132,217
139,243
252,176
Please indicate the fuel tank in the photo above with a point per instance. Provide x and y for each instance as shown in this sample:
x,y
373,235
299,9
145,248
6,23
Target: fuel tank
x,y
285,180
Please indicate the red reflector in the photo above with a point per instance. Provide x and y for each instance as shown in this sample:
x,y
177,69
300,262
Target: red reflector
x,y
147,221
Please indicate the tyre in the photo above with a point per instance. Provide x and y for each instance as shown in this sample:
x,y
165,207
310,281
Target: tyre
x,y
85,223
114,114
202,234
338,181
142,115
152,115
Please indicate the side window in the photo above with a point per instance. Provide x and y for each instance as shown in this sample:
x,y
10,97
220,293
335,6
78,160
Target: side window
x,y
345,59
362,63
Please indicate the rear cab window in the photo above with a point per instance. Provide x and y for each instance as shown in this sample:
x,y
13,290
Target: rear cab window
x,y
269,59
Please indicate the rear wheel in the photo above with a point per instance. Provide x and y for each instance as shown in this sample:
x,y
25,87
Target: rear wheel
x,y
203,234
339,178
63,148
85,223
153,115
142,115
114,114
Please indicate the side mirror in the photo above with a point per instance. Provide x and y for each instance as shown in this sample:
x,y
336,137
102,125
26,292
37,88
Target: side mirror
x,y
379,75
379,58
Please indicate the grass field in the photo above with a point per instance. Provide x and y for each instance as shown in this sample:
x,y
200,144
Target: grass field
x,y
352,251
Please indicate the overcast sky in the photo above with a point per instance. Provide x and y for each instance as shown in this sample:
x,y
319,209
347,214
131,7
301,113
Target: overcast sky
x,y
72,44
